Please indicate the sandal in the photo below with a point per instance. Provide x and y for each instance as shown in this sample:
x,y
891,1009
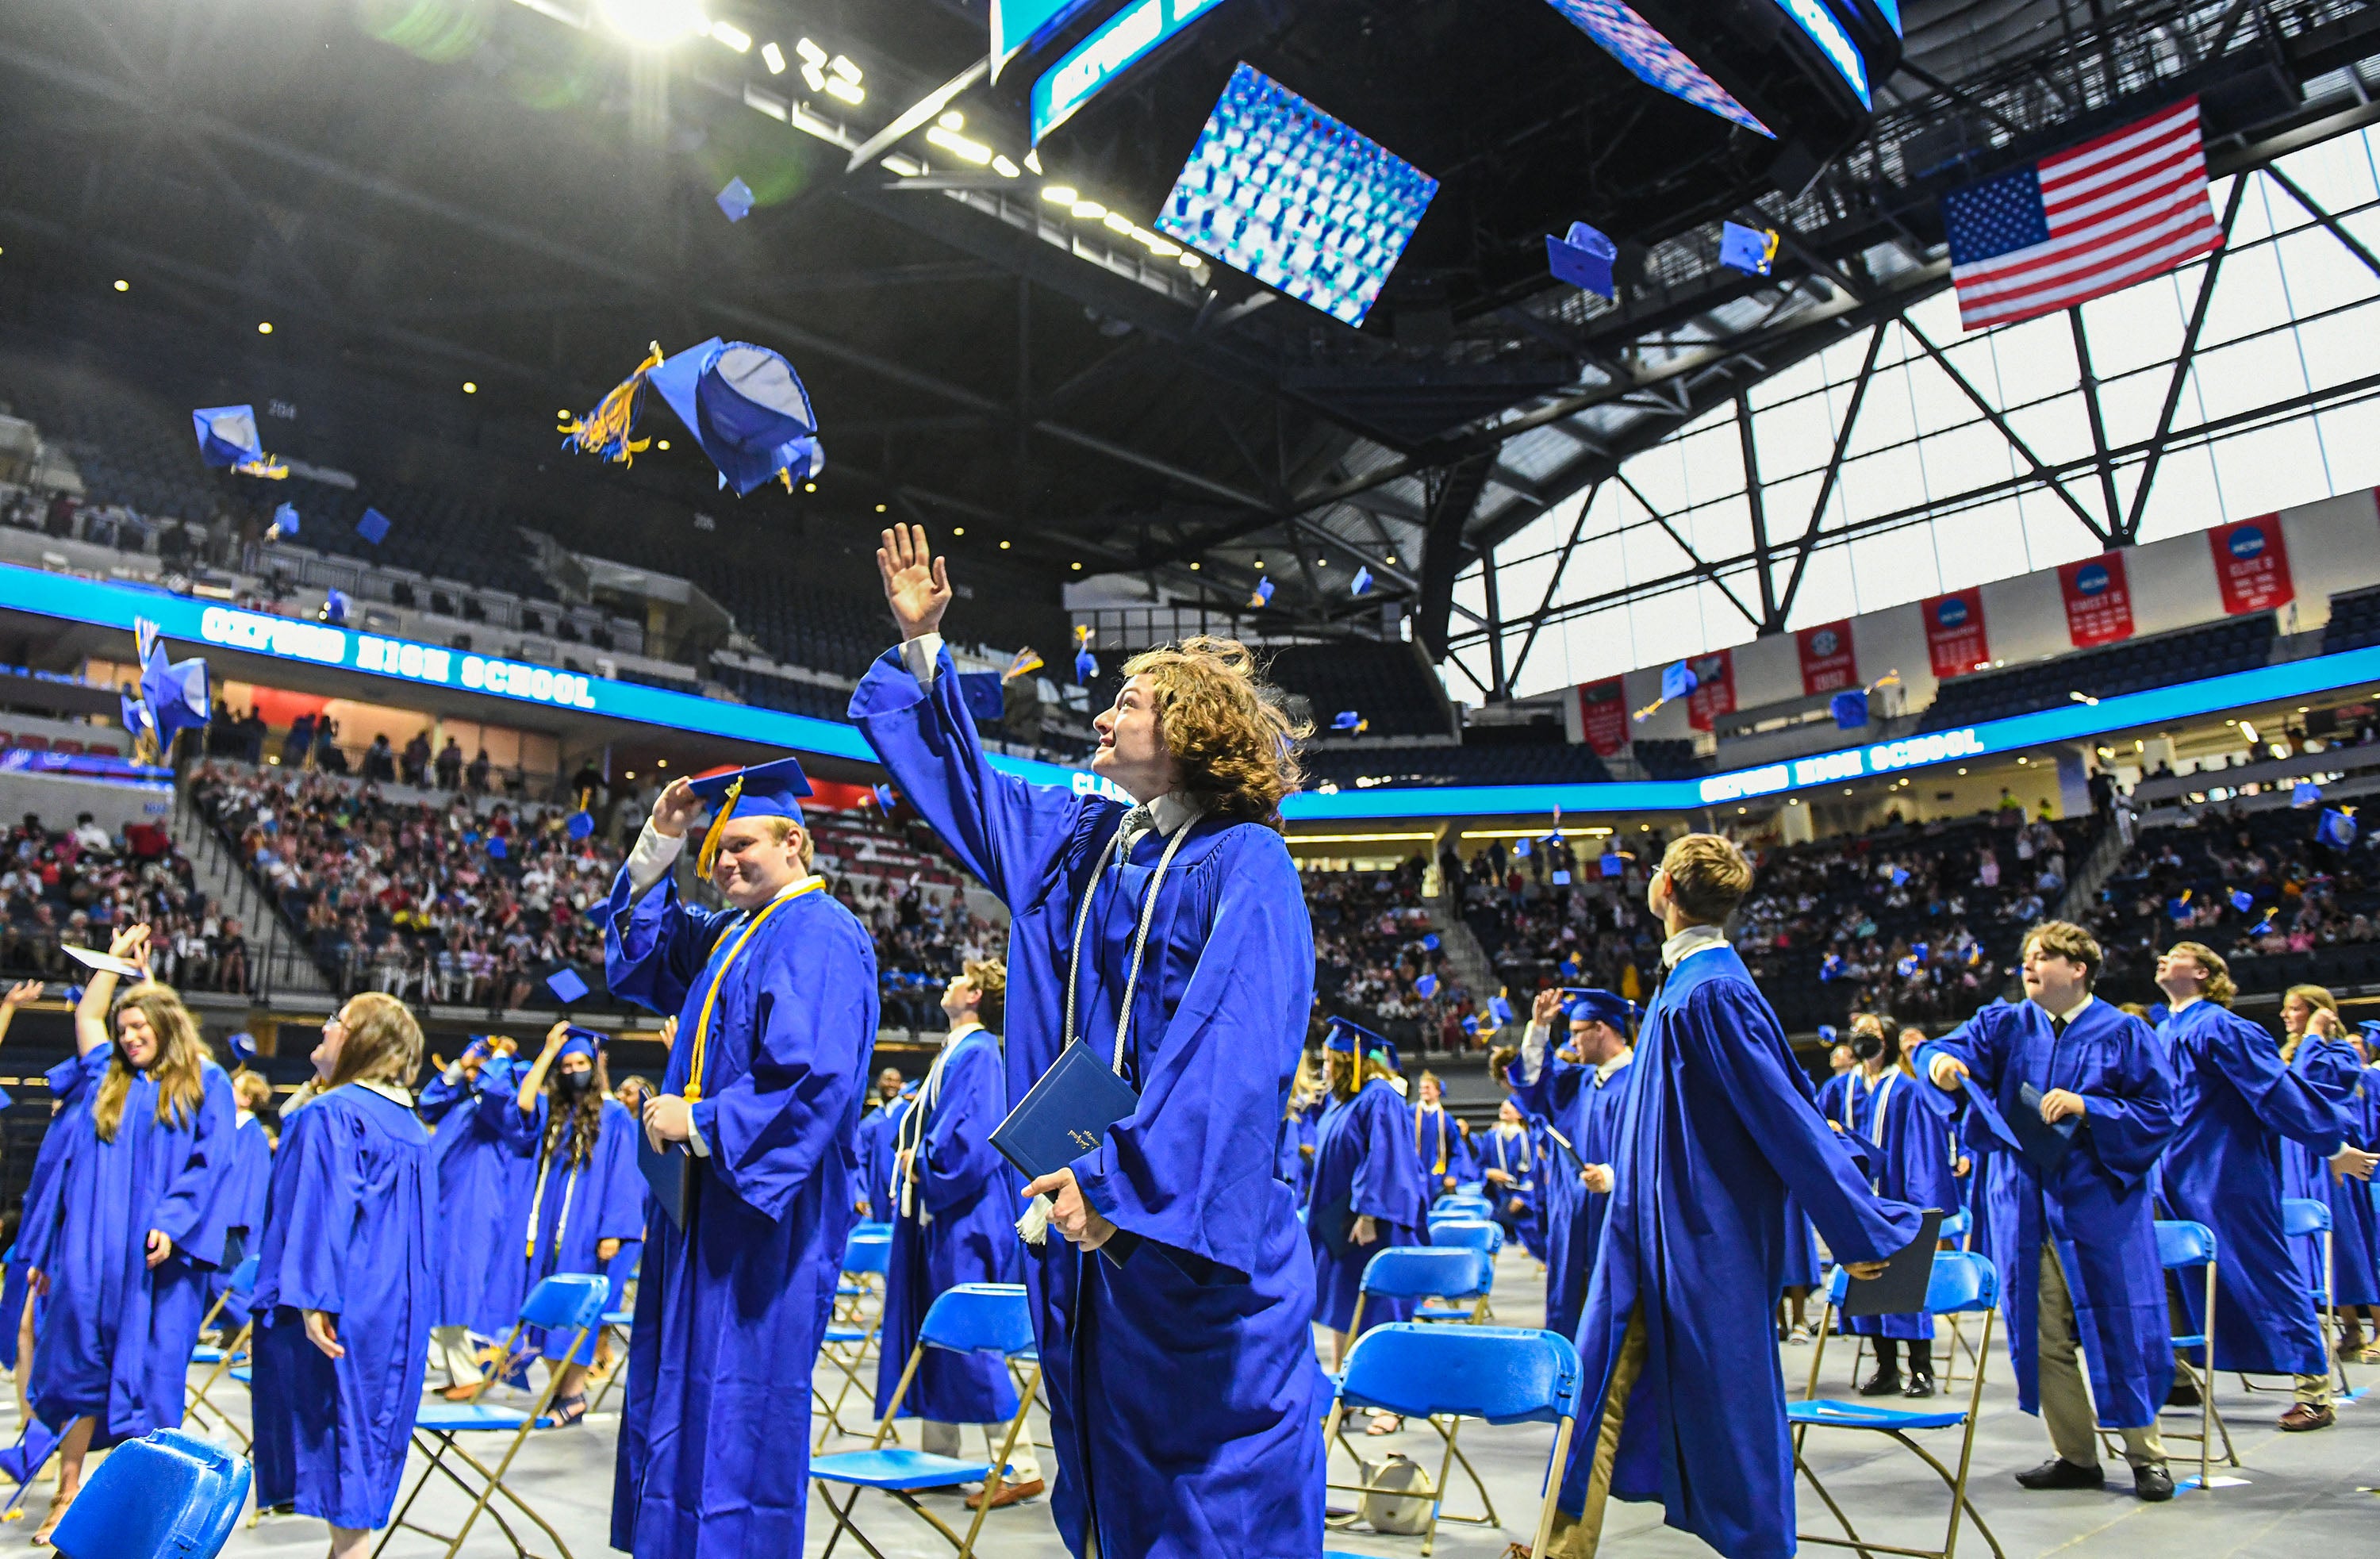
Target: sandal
x,y
41,1538
1385,1424
568,1410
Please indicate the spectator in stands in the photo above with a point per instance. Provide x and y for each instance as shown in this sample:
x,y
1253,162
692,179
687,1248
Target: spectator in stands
x,y
417,759
450,765
380,761
91,837
479,772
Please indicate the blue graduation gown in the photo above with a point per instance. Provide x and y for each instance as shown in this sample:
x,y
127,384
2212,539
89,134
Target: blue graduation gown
x,y
1443,1150
1185,1398
1605,1108
1364,1160
2333,1069
71,1082
353,1193
117,1335
1720,1119
880,1135
484,1179
2097,1207
246,1181
714,1435
574,1208
1293,1162
2240,1108
1510,1153
1561,1097
1912,1157
960,1227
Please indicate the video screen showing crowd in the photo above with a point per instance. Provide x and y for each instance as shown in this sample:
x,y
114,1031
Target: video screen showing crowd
x,y
1188,1275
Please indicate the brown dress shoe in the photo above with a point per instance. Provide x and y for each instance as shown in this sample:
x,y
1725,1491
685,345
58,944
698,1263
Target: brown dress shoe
x,y
2306,1415
1010,1493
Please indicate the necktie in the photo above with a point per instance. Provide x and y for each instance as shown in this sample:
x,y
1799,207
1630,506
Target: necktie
x,y
1137,821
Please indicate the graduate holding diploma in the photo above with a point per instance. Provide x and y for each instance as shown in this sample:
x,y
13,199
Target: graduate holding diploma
x,y
775,997
1184,1396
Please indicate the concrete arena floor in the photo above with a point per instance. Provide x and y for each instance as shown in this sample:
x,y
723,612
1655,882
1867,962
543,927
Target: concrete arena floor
x,y
2310,1492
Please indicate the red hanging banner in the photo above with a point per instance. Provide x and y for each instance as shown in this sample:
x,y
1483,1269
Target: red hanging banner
x,y
1956,641
1827,663
2252,563
1603,715
1714,693
2098,602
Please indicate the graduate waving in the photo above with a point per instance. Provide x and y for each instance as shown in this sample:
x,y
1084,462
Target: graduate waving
x,y
776,1002
1579,1090
1183,924
483,1183
2082,1096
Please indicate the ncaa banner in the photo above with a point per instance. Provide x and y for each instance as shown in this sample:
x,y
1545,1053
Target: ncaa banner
x,y
2252,563
1603,717
2098,600
1827,663
1714,693
1956,641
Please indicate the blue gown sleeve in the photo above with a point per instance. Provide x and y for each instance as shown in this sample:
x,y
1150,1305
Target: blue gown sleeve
x,y
316,1200
2252,1063
1556,1089
1191,1166
815,1018
1982,1044
2331,1070
438,1098
1002,828
521,1130
654,947
1736,1042
191,1213
1383,1187
622,1213
2130,1123
961,1163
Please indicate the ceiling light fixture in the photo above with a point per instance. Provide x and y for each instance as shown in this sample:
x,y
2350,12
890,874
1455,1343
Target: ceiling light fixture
x,y
774,57
734,37
654,22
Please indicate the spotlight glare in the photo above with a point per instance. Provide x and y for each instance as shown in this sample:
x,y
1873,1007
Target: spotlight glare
x,y
665,444
809,487
958,530
1005,168
1060,194
469,389
841,65
653,22
954,120
962,148
811,52
813,77
1117,223
836,86
774,57
1089,211
734,37
265,327
1004,546
123,286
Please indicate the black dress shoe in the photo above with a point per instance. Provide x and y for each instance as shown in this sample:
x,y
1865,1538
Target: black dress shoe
x,y
1919,1385
2059,1473
2153,1482
1884,1382
2183,1395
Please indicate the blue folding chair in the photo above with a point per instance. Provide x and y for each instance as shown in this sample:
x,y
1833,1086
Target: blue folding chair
x,y
2302,1218
2183,1244
1464,1234
571,1302
1961,1284
1424,1274
167,1495
850,1343
223,1360
968,1318
1456,1205
1958,1229
1504,1374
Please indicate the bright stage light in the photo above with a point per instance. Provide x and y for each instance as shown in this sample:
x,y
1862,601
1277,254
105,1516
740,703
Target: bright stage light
x,y
1005,168
959,146
848,91
654,21
734,37
1060,194
774,57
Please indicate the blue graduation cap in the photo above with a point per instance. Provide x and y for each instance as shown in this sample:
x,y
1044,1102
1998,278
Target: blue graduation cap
x,y
2305,794
2337,827
1750,250
243,1046
227,435
1471,1025
885,798
1261,595
735,199
497,849
1899,875
1086,666
2370,1030
1905,966
1848,708
1828,1034
1500,1007
770,789
1582,258
373,526
1363,581
1677,681
580,824
1590,1005
1831,968
2177,910
1613,865
1429,942
1562,878
577,1040
1344,1034
1521,849
746,407
176,694
335,607
565,985
284,522
2242,900
1347,720
135,715
981,692
1425,987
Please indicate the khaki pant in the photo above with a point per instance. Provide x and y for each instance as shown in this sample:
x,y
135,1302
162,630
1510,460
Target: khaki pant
x,y
451,1350
1576,1537
2313,1390
2066,1408
940,1439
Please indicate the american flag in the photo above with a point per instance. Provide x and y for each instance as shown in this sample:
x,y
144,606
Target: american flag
x,y
2091,220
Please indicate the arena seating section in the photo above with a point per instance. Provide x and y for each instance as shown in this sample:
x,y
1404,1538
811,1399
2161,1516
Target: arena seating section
x,y
1388,684
2132,667
58,888
2354,621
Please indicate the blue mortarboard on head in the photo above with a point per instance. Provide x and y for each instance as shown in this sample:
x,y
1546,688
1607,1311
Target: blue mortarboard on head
x,y
580,824
1346,720
2305,794
1429,942
577,1041
373,526
2336,828
1582,258
735,199
284,522
1750,250
243,1046
1262,594
1344,1034
1828,1034
1363,581
1425,987
227,435
770,789
981,691
1598,1006
2242,900
497,849
1677,681
1500,1009
746,407
567,986
1848,708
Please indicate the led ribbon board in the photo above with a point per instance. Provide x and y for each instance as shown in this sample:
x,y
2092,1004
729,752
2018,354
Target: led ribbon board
x,y
1304,203
1126,39
1814,18
1017,25
1653,59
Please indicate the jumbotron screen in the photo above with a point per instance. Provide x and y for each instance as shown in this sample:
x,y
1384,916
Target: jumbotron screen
x,y
1307,204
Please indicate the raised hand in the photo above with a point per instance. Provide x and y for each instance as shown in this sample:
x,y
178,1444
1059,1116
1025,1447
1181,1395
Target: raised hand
x,y
675,808
916,583
1547,1003
22,991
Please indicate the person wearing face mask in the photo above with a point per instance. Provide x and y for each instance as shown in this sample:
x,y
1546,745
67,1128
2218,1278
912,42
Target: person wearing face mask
x,y
344,1291
484,1179
1171,937
775,998
586,1199
1912,1155
129,1224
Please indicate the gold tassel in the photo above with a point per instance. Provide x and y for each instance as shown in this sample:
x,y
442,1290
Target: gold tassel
x,y
604,431
709,854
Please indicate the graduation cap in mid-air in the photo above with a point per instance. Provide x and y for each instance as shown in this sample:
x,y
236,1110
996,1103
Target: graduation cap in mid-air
x,y
1363,581
1349,720
136,723
1429,944
497,849
1086,666
735,199
1678,680
1752,250
2305,794
336,607
1848,708
373,526
770,789
1425,987
885,799
1830,968
228,441
1500,1007
2337,827
1261,595
567,985
284,522
174,693
243,1046
746,409
2242,900
1828,1034
1582,258
1024,664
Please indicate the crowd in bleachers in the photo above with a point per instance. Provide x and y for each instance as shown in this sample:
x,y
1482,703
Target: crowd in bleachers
x,y
66,888
1373,948
1560,911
